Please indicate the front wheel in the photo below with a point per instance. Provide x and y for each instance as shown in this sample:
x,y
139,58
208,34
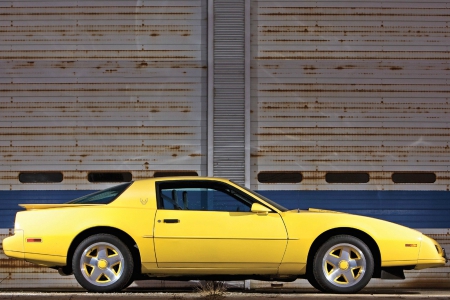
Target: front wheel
x,y
343,264
102,263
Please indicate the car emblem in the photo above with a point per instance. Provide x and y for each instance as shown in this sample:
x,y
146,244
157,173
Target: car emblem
x,y
144,201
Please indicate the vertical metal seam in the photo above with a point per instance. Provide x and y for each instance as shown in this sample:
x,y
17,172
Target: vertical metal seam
x,y
229,90
247,116
210,102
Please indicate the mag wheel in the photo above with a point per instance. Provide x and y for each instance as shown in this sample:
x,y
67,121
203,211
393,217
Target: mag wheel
x,y
102,263
343,264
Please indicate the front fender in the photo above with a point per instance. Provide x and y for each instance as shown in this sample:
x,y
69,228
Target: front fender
x,y
398,245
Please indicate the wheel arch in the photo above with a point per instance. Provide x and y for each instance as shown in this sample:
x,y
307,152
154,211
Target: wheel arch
x,y
122,235
363,236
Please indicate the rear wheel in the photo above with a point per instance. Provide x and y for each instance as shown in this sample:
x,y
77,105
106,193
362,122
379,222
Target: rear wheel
x,y
102,263
343,264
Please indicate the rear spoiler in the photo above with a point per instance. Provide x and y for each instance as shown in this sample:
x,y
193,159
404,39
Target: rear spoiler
x,y
47,206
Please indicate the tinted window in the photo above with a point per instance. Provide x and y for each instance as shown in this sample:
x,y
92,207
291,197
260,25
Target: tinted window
x,y
347,177
110,177
413,177
280,177
174,173
41,177
271,202
202,195
103,196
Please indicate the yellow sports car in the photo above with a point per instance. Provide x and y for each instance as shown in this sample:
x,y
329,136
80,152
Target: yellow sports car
x,y
212,229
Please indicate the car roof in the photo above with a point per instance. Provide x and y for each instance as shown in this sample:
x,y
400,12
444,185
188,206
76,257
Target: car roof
x,y
171,178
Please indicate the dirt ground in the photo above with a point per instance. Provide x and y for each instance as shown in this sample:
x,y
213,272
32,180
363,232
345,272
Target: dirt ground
x,y
231,295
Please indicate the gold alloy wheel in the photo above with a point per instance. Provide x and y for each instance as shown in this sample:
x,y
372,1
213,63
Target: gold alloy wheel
x,y
102,264
344,265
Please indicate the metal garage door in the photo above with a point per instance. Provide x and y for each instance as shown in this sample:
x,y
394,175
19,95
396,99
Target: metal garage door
x,y
350,109
95,92
351,87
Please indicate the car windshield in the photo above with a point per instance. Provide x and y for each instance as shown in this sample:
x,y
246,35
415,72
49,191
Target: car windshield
x,y
103,196
271,202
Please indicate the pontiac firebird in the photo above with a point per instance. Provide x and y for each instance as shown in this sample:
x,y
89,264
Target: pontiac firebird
x,y
189,228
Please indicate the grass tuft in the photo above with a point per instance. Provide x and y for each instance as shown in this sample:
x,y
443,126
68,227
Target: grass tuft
x,y
211,290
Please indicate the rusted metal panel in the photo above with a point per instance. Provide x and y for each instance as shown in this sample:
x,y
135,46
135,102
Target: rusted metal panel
x,y
101,86
339,86
95,86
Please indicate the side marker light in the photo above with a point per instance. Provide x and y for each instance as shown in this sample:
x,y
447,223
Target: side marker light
x,y
34,240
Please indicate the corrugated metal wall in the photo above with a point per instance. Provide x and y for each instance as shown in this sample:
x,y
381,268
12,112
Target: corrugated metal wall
x,y
96,86
118,85
341,86
353,87
101,86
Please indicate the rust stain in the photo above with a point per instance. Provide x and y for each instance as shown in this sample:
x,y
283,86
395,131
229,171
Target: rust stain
x,y
93,54
85,87
345,67
93,10
309,68
345,11
345,55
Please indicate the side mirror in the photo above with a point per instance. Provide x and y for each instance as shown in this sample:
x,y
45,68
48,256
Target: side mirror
x,y
260,209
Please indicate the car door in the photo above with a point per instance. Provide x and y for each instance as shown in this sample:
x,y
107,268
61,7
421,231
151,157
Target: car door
x,y
207,224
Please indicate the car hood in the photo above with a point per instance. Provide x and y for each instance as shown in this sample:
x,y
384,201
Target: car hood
x,y
324,211
329,219
315,210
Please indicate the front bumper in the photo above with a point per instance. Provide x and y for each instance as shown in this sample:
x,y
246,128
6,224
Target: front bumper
x,y
431,254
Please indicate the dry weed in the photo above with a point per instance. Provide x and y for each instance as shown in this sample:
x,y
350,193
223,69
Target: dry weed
x,y
211,290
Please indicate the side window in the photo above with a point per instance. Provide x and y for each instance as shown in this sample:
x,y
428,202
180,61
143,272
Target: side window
x,y
197,196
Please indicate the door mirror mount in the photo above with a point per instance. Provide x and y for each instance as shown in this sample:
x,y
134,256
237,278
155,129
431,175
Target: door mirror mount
x,y
260,209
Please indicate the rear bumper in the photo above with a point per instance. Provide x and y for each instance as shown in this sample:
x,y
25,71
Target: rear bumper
x,y
13,245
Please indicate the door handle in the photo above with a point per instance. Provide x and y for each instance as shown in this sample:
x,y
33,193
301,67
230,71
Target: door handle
x,y
171,221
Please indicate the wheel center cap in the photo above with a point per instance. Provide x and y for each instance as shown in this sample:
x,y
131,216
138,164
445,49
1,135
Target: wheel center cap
x,y
343,265
102,264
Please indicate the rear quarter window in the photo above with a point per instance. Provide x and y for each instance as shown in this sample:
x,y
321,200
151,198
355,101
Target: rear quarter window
x,y
102,197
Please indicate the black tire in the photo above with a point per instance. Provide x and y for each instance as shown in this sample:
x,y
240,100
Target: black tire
x,y
102,263
129,282
312,281
343,264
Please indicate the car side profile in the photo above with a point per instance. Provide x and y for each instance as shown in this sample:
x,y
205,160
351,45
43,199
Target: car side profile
x,y
204,228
